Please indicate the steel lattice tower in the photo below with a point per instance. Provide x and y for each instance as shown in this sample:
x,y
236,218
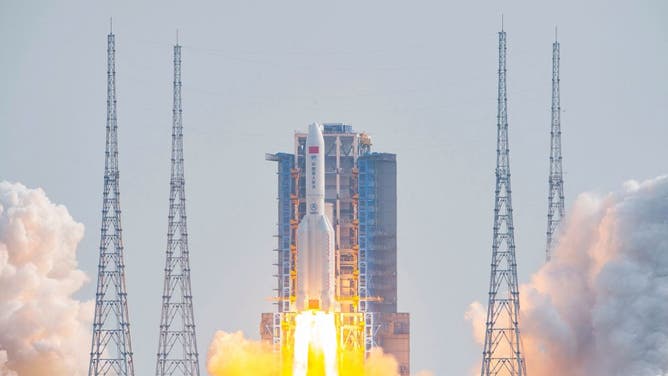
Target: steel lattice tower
x,y
502,353
555,209
111,350
177,348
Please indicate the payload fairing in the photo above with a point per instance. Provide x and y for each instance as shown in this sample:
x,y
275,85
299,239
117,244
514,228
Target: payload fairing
x,y
315,234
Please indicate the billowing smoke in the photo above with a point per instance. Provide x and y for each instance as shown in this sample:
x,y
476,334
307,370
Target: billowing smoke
x,y
4,371
600,307
230,354
43,329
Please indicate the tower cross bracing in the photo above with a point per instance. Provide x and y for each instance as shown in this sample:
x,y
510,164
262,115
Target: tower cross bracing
x,y
177,347
502,354
111,348
555,211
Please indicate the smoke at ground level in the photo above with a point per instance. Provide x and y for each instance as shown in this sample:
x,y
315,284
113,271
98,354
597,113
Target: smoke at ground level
x,y
599,307
43,329
231,354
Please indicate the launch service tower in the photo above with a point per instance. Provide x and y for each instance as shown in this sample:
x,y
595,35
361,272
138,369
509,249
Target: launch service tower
x,y
337,246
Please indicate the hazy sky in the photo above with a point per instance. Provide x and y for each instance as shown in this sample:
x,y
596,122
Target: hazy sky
x,y
419,76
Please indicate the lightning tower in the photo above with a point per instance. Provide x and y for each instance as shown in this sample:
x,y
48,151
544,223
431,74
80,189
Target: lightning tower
x,y
502,352
177,348
555,209
111,349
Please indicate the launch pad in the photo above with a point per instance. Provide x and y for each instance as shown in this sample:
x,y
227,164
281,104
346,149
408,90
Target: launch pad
x,y
360,206
349,329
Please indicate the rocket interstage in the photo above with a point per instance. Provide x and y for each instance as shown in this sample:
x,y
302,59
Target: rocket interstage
x,y
315,235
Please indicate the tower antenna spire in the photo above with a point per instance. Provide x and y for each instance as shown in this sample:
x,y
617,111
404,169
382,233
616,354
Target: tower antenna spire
x,y
111,348
502,355
556,206
177,345
556,35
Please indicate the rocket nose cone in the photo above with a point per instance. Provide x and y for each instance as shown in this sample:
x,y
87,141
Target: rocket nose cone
x,y
315,137
314,131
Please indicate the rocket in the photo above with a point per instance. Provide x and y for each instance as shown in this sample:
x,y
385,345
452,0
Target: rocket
x,y
315,234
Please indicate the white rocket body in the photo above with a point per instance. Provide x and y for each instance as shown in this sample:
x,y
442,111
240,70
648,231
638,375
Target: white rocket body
x,y
315,234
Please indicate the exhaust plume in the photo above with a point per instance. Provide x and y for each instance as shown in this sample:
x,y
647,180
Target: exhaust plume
x,y
230,354
43,329
599,307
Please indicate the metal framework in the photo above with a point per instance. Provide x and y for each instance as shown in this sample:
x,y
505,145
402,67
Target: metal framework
x,y
288,202
366,212
362,248
177,347
555,208
111,349
502,352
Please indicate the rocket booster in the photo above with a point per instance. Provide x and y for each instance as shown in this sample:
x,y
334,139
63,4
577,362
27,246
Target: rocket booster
x,y
315,234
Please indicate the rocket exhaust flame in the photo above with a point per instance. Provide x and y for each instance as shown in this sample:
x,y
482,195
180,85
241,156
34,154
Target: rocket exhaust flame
x,y
230,354
315,348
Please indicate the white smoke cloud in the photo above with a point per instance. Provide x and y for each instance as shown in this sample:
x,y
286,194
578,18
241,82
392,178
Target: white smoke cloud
x,y
43,329
4,371
600,307
476,314
424,373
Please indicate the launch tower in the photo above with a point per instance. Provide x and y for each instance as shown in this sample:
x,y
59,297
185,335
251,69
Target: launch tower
x,y
177,348
555,209
502,354
111,349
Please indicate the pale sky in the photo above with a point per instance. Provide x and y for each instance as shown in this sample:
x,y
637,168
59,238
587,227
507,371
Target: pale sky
x,y
419,76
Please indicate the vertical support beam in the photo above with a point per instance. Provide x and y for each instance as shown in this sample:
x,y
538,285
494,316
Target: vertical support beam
x,y
287,205
502,350
556,206
337,208
111,348
177,346
367,212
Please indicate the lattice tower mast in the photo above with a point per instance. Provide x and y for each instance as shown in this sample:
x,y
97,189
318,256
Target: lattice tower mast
x,y
111,349
555,209
502,350
177,348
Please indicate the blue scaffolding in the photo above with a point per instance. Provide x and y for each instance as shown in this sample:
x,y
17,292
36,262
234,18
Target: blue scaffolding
x,y
366,215
377,240
283,262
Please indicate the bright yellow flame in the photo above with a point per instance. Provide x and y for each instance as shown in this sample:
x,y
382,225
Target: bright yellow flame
x,y
315,345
